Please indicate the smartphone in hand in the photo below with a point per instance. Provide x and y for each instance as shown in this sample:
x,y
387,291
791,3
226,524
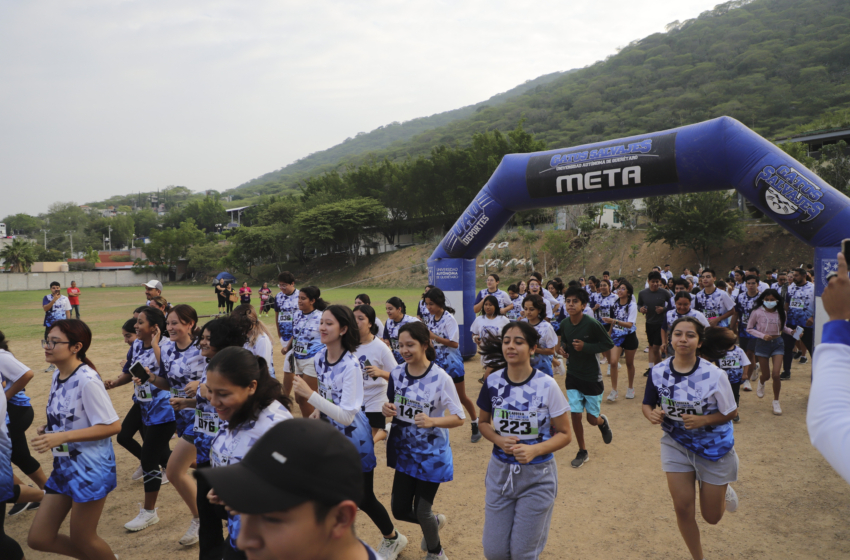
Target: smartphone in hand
x,y
138,370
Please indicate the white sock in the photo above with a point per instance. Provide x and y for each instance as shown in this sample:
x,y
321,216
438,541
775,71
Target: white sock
x,y
475,421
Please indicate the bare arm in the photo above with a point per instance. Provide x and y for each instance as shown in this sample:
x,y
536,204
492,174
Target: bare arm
x,y
19,385
44,442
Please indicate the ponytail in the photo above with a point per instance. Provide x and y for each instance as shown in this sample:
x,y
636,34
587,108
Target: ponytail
x,y
77,332
315,294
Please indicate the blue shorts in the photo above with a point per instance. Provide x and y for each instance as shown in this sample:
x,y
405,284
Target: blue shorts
x,y
766,349
579,401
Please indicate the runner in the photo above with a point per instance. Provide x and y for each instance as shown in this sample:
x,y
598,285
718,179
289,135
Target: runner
x,y
715,304
80,424
733,363
259,339
422,309
549,302
530,422
340,402
285,306
248,401
652,302
516,300
523,288
535,308
265,300
605,301
740,286
489,323
623,322
305,342
743,306
492,289
697,405
667,273
56,307
364,299
766,325
376,363
682,309
420,393
753,271
581,339
800,309
396,317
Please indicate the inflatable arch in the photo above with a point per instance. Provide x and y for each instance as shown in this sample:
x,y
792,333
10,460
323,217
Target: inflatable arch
x,y
714,155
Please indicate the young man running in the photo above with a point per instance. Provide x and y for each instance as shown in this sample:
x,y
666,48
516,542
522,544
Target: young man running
x,y
583,337
285,306
753,271
652,302
800,309
743,306
715,304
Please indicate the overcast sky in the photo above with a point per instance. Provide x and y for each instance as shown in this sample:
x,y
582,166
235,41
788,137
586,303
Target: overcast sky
x,y
105,97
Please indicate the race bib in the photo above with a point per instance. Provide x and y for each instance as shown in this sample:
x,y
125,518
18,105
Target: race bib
x,y
285,317
675,409
218,459
797,303
300,348
620,330
408,408
326,392
206,422
177,393
61,450
521,424
144,392
730,363
394,344
711,314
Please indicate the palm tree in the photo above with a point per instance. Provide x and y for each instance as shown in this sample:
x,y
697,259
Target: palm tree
x,y
18,256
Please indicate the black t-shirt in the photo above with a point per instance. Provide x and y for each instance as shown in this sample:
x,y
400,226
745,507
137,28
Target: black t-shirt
x,y
649,299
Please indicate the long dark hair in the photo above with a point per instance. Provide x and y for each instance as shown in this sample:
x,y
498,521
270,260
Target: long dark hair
x,y
186,314
4,344
780,303
315,294
129,326
491,345
715,341
370,316
240,367
77,333
155,317
438,298
224,333
420,333
364,298
492,300
396,302
350,340
538,304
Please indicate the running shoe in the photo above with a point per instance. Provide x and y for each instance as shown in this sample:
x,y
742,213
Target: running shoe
x,y
142,521
796,355
581,458
476,433
612,396
646,350
18,509
440,556
731,499
745,386
777,410
391,548
760,390
804,360
605,428
441,522
755,373
630,393
736,419
785,376
647,372
608,372
191,535
140,472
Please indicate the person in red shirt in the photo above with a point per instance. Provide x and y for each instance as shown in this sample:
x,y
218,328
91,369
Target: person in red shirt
x,y
74,298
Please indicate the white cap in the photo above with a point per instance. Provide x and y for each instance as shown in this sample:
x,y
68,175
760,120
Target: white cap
x,y
155,284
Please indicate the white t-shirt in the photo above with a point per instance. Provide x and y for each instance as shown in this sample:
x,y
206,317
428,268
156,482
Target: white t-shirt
x,y
482,325
375,390
380,325
263,348
10,371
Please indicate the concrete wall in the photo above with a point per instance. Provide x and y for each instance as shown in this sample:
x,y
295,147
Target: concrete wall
x,y
88,279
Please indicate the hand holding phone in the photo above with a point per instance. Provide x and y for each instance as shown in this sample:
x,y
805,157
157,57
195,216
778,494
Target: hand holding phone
x,y
138,371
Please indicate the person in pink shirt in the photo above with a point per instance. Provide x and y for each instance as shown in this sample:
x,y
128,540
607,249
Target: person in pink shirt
x,y
245,294
74,298
766,324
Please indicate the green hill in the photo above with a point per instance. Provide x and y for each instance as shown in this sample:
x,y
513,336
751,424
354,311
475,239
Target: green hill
x,y
772,64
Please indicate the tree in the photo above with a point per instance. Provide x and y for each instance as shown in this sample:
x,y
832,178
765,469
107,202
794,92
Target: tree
x,y
146,221
18,255
341,224
23,224
170,244
834,166
702,222
91,256
206,258
124,208
627,213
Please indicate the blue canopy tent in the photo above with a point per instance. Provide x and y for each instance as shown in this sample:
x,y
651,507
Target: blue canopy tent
x,y
227,277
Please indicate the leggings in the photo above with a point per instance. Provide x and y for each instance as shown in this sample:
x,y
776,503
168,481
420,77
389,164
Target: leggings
x,y
373,508
222,301
412,500
9,547
154,451
790,342
736,390
20,418
210,534
229,306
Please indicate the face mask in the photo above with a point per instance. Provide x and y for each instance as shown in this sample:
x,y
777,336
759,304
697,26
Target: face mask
x,y
770,304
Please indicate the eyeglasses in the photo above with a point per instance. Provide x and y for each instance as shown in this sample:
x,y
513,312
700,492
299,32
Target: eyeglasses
x,y
51,344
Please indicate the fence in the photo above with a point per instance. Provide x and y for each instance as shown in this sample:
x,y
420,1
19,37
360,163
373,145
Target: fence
x,y
91,279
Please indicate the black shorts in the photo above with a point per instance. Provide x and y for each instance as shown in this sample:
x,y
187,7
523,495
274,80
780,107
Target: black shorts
x,y
653,334
630,342
458,379
376,420
189,438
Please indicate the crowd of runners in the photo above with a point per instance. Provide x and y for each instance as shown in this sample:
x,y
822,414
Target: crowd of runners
x,y
213,387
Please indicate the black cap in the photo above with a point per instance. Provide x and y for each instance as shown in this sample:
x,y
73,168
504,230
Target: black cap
x,y
296,461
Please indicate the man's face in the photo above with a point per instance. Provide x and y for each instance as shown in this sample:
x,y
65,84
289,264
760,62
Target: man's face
x,y
293,534
752,286
55,290
605,277
781,279
799,278
654,284
681,288
667,268
574,306
707,279
286,288
151,293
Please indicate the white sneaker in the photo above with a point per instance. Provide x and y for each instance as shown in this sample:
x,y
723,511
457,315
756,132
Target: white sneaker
x,y
440,556
164,479
612,396
140,472
630,393
142,521
608,373
760,390
755,374
390,549
191,535
731,499
745,386
777,410
646,350
441,522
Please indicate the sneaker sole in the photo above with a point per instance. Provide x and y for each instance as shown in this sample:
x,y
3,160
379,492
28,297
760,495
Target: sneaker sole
x,y
586,459
610,431
142,528
17,513
189,543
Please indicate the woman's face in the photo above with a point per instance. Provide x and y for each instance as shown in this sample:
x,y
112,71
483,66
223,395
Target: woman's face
x,y
433,308
129,337
305,304
394,313
489,308
552,290
533,287
531,312
207,351
265,285
144,329
622,291
363,325
226,397
492,284
604,289
330,329
61,350
410,349
515,348
358,302
176,329
685,339
523,287
244,284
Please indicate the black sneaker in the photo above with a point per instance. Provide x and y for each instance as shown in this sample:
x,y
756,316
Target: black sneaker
x,y
581,458
607,434
804,360
18,509
785,376
796,355
476,433
736,419
647,372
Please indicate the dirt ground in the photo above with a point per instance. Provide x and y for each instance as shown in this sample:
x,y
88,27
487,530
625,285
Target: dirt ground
x,y
792,504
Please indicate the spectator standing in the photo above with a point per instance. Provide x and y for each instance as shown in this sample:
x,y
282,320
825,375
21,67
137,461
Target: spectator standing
x,y
153,288
56,307
219,292
74,298
227,292
265,300
245,294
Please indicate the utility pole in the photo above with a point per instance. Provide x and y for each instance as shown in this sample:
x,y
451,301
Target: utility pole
x,y
45,239
110,238
71,234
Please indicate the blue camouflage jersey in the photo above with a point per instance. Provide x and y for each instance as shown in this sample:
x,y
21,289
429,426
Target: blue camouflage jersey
x,y
449,359
743,307
7,481
423,311
154,402
286,306
801,304
342,384
232,444
11,369
423,453
306,341
58,311
548,339
181,367
626,313
391,334
522,410
606,307
207,423
516,312
733,364
84,471
703,391
714,305
502,297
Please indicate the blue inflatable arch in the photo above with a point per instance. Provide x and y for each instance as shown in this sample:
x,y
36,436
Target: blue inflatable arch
x,y
713,155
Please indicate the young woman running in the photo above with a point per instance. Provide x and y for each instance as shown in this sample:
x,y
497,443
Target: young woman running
x,y
445,336
16,376
248,401
151,414
339,400
492,289
80,423
530,421
364,299
265,299
183,365
535,309
604,307
523,288
376,363
259,339
697,405
515,312
623,322
396,317
489,323
534,289
420,393
733,362
305,342
766,324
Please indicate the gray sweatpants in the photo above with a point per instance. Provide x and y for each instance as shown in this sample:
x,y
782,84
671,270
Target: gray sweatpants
x,y
519,504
